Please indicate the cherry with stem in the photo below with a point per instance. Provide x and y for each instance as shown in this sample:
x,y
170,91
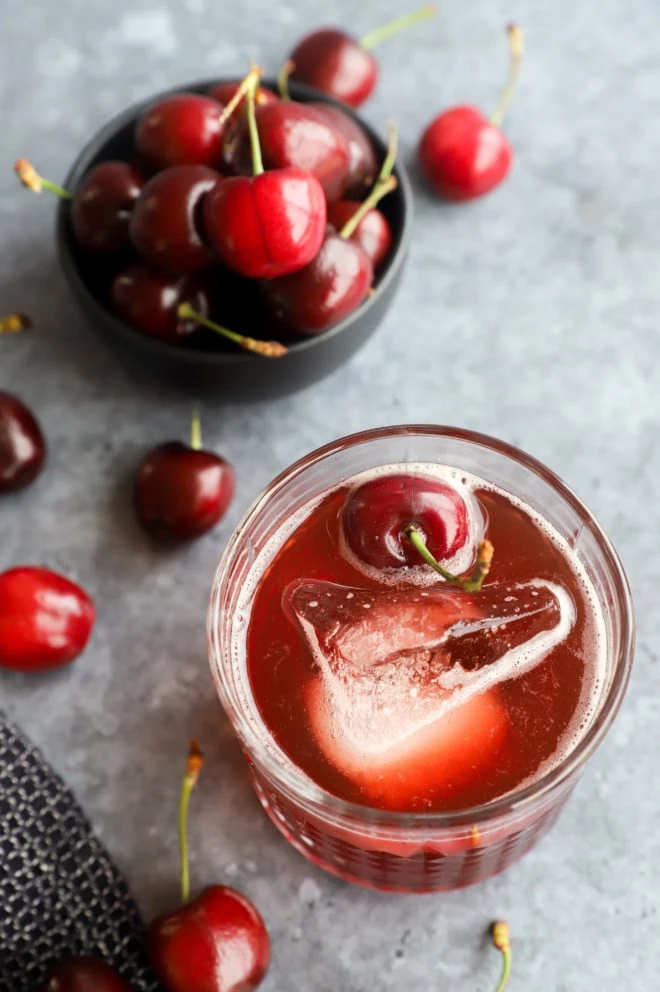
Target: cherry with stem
x,y
474,581
267,349
501,939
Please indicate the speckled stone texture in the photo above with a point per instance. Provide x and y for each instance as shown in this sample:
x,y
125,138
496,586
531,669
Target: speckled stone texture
x,y
532,315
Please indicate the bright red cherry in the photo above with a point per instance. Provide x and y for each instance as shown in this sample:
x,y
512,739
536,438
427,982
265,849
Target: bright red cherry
x,y
84,974
101,206
182,491
165,226
149,300
217,942
183,129
373,233
22,444
342,66
362,163
376,514
45,619
462,154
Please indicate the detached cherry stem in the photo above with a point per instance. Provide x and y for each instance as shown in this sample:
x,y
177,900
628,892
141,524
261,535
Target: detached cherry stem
x,y
481,568
516,46
267,349
502,941
283,79
388,30
30,178
194,765
383,185
13,323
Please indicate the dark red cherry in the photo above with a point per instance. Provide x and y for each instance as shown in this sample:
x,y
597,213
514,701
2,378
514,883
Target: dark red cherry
x,y
22,444
84,974
148,300
376,514
182,491
224,92
299,136
166,222
183,129
333,285
373,233
362,163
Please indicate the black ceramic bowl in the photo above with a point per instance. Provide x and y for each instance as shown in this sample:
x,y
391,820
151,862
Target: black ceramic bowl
x,y
231,373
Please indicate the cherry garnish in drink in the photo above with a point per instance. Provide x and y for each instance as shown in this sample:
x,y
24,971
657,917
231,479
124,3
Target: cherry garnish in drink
x,y
22,444
462,153
362,162
269,224
342,66
45,619
215,943
149,300
84,974
183,129
101,206
373,233
166,222
181,491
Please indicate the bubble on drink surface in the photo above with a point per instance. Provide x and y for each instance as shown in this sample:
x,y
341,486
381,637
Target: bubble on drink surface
x,y
391,673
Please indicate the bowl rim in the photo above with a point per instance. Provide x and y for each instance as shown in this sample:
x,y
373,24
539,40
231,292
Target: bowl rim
x,y
90,150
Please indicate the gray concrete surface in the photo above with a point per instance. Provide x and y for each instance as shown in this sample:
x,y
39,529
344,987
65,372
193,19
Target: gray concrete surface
x,y
532,315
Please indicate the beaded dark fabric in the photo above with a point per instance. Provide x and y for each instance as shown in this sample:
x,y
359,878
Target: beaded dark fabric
x,y
60,893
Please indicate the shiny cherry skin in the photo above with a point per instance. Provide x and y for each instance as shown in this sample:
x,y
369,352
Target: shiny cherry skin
x,y
182,492
268,225
148,300
216,943
376,513
224,92
299,136
183,129
333,62
373,233
362,162
462,155
22,444
165,225
333,285
84,974
45,619
102,207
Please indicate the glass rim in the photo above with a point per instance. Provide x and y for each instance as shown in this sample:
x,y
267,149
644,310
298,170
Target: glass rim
x,y
300,786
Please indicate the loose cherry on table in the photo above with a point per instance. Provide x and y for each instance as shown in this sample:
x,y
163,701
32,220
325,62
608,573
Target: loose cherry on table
x,y
181,491
45,619
84,974
342,66
165,224
215,943
101,206
149,300
182,129
269,224
22,444
462,153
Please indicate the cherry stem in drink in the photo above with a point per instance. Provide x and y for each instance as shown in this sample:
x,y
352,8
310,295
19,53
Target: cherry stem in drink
x,y
502,941
388,30
196,430
268,349
29,176
283,79
253,76
516,45
255,145
481,567
194,764
14,322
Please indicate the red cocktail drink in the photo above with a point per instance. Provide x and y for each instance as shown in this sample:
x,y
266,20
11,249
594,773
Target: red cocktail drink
x,y
405,730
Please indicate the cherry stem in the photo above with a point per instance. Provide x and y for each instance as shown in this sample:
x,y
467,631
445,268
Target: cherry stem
x,y
380,189
386,31
14,322
29,176
283,79
268,349
196,430
481,567
194,764
255,73
502,941
516,45
390,159
255,145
